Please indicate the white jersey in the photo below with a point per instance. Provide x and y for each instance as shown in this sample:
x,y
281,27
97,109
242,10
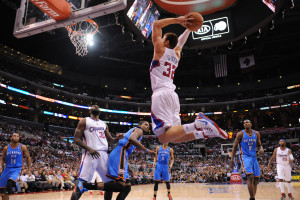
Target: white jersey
x,y
94,134
282,157
162,71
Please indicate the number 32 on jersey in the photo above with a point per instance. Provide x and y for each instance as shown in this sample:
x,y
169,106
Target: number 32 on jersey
x,y
170,71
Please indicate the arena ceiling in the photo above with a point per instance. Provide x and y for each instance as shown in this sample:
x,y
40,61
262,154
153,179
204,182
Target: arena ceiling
x,y
115,55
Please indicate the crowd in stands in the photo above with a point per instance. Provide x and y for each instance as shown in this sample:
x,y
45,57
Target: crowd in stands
x,y
55,162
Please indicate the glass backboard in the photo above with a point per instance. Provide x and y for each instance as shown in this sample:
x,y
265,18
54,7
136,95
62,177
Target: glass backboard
x,y
30,20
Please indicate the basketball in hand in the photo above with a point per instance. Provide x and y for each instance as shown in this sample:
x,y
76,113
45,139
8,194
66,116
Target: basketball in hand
x,y
196,21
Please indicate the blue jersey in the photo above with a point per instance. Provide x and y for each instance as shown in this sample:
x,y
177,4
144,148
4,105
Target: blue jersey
x,y
13,157
248,144
126,144
117,162
163,156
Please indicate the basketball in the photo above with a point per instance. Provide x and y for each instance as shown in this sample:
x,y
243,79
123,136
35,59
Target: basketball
x,y
196,22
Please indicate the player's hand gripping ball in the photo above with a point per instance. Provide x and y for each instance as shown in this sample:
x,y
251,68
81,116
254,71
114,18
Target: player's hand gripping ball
x,y
195,21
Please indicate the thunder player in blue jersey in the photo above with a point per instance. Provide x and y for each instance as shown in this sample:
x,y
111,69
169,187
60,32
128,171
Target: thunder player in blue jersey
x,y
248,139
163,163
12,157
117,162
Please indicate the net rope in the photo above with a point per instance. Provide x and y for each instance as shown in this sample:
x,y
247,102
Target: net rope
x,y
79,32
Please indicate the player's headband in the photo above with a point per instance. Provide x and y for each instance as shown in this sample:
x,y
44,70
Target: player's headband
x,y
283,140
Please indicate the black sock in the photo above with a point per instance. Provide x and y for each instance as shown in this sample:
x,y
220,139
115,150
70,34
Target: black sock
x,y
252,198
155,196
122,195
89,186
108,195
168,192
113,186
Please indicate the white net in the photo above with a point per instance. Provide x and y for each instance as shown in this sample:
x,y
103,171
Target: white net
x,y
80,35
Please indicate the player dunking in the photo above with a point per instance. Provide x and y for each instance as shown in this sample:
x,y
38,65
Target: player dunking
x,y
12,157
284,157
118,167
92,136
164,156
248,140
166,123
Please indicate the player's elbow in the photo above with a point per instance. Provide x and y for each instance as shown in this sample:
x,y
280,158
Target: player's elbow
x,y
155,24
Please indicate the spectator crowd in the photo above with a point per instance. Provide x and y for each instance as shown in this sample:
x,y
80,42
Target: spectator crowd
x,y
55,162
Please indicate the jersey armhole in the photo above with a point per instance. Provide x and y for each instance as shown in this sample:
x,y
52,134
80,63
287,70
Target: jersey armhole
x,y
164,51
140,128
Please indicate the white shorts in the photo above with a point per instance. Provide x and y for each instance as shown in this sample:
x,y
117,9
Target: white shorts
x,y
89,166
96,177
284,172
165,110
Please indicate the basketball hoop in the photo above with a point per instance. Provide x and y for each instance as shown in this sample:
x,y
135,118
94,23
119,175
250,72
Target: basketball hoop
x,y
79,34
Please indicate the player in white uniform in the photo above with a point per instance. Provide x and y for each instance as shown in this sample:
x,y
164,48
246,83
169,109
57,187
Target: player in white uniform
x,y
284,157
165,107
92,136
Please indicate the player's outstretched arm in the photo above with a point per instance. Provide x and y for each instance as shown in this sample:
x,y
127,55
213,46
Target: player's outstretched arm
x,y
182,40
156,156
2,161
290,156
27,156
237,141
111,140
133,139
78,136
171,158
157,40
272,159
258,143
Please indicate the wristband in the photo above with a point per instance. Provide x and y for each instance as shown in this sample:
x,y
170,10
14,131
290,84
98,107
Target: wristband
x,y
146,150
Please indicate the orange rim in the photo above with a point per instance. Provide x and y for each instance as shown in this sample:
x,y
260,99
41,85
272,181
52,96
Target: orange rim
x,y
87,20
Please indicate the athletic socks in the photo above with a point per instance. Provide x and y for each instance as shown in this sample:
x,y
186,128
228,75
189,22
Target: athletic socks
x,y
252,198
89,186
108,195
189,128
199,134
122,195
108,186
281,185
113,186
289,186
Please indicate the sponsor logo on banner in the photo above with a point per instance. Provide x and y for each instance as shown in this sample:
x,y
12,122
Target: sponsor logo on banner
x,y
211,29
203,30
235,178
121,171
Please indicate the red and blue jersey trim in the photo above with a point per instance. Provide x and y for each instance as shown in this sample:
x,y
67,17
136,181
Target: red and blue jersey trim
x,y
154,63
158,122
